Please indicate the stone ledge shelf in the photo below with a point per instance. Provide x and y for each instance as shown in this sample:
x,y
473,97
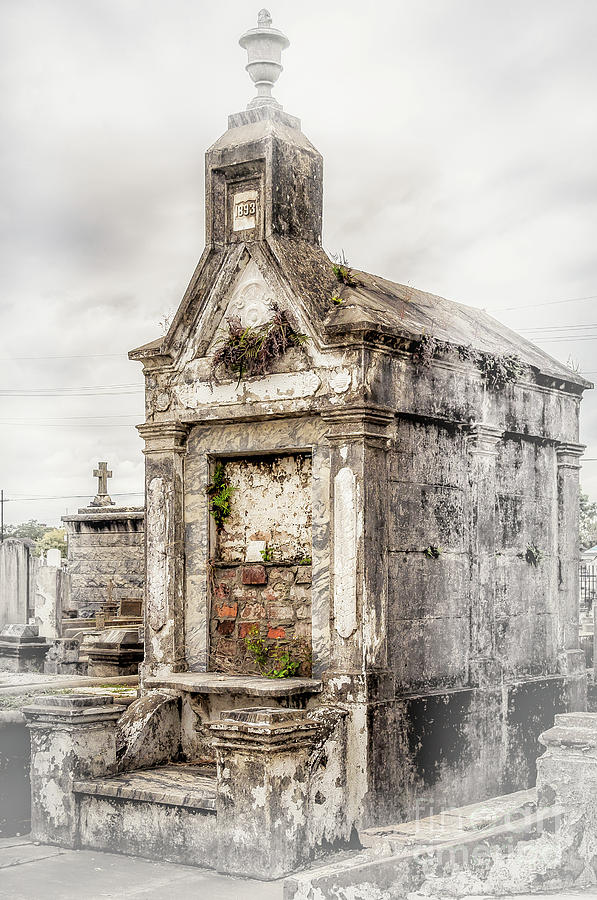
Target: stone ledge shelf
x,y
249,685
190,786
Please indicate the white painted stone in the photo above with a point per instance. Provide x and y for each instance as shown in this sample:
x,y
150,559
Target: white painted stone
x,y
345,553
255,551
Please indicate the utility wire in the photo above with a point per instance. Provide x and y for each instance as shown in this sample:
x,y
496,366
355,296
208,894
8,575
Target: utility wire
x,y
73,497
545,303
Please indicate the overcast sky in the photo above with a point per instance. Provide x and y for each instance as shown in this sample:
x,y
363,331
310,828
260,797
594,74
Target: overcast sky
x,y
460,148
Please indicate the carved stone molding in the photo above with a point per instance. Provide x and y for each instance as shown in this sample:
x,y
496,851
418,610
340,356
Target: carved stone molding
x,y
483,439
359,423
164,437
569,455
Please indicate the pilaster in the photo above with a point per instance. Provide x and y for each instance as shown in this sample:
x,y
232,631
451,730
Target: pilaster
x,y
263,790
165,446
482,445
568,463
359,438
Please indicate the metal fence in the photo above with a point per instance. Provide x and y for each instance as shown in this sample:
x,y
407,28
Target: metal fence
x,y
588,585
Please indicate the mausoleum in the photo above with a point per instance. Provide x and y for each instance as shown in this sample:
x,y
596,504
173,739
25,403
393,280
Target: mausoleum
x,y
105,551
363,487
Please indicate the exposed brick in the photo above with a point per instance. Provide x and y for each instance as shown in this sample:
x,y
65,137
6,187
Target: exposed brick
x,y
304,575
273,632
254,575
280,612
246,627
227,611
226,627
303,630
222,591
253,611
281,574
303,611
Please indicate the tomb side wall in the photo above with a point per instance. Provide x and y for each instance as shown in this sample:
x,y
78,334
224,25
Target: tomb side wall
x,y
106,558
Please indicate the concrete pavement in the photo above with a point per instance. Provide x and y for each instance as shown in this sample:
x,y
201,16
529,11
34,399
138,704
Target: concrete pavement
x,y
31,871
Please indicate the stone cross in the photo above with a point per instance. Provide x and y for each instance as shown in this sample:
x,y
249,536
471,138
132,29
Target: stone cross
x,y
102,473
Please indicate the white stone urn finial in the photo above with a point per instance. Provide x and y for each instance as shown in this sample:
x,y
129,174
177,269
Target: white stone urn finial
x,y
264,46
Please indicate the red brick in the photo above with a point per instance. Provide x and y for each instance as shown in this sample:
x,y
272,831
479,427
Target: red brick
x,y
222,591
253,611
254,575
226,627
227,611
276,632
245,628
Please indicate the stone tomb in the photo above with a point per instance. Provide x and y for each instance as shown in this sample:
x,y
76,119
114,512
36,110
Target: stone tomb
x,y
105,551
22,649
415,459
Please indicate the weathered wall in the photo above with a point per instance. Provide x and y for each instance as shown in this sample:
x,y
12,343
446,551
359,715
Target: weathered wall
x,y
17,566
272,503
106,556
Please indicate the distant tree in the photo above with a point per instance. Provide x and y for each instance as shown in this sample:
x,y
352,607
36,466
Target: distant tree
x,y
31,530
588,522
53,538
44,536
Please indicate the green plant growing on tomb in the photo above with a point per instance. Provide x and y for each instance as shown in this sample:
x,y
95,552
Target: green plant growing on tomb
x,y
305,561
257,648
432,552
283,659
498,370
253,350
533,555
285,666
339,301
343,272
220,492
267,555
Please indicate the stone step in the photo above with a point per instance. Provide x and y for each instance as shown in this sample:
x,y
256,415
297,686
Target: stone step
x,y
165,813
189,785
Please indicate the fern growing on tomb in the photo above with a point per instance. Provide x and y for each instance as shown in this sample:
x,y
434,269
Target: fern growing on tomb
x,y
253,350
220,491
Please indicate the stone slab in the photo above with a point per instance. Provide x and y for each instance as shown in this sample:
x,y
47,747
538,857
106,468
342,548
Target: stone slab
x,y
19,854
192,786
250,685
110,876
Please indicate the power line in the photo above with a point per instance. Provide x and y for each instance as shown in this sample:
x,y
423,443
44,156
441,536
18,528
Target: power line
x,y
63,418
77,356
544,303
72,497
70,393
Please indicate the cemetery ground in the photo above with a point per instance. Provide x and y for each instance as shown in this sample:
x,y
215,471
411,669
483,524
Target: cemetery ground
x,y
29,870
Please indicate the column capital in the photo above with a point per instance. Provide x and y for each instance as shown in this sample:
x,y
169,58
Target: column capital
x,y
568,455
359,423
164,437
264,731
55,711
483,439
